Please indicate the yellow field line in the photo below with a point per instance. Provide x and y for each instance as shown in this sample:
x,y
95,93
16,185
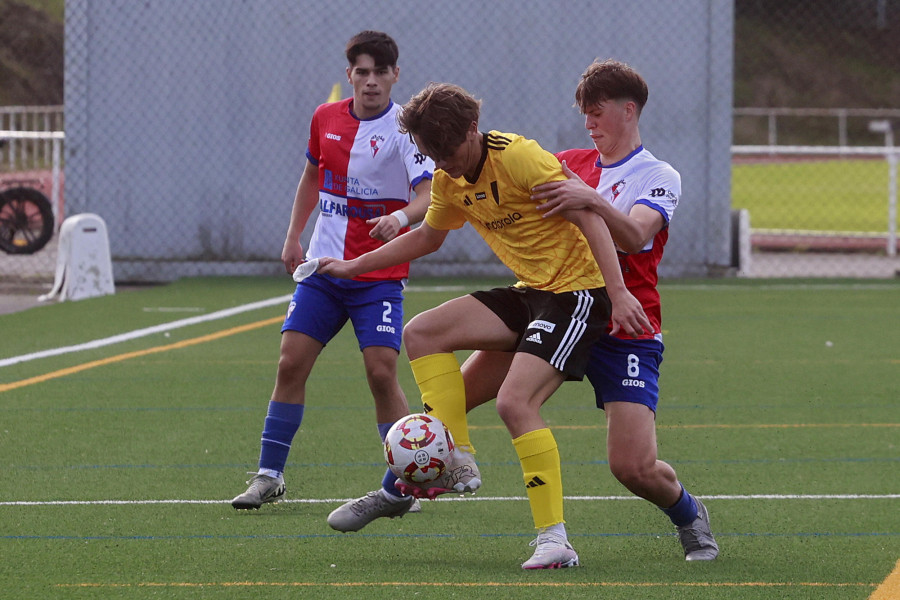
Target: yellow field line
x,y
5,387
473,584
890,587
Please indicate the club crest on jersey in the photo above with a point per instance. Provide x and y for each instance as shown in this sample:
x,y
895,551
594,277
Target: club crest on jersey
x,y
617,189
374,142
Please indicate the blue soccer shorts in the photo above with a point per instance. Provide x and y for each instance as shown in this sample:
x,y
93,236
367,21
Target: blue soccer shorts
x,y
322,305
625,370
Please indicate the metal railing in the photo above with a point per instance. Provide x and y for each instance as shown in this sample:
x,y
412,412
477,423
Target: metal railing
x,y
890,152
841,115
55,140
29,153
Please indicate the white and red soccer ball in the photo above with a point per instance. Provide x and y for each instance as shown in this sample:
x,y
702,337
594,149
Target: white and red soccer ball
x,y
418,448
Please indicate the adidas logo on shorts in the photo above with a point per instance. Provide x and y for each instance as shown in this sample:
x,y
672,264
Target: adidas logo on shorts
x,y
534,337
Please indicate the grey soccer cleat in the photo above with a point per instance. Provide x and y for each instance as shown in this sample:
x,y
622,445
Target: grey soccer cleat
x,y
356,514
697,538
416,507
551,551
262,489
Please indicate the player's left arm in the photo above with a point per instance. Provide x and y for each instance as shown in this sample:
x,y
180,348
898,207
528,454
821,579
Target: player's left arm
x,y
420,171
418,242
627,313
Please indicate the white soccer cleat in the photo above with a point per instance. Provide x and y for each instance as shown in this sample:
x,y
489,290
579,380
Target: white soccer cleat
x,y
552,551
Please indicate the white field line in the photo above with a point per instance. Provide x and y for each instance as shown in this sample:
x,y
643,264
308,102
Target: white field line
x,y
222,314
138,333
461,499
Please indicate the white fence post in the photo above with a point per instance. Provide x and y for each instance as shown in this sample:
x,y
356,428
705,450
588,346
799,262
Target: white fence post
x,y
888,151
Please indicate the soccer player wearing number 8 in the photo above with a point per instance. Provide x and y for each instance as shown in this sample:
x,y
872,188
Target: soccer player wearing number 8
x,y
359,177
568,277
636,194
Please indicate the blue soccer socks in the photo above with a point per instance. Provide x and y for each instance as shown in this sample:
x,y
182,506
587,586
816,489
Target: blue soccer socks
x,y
282,422
684,511
387,483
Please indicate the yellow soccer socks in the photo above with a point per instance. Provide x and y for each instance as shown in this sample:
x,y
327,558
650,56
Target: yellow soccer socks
x,y
541,471
444,394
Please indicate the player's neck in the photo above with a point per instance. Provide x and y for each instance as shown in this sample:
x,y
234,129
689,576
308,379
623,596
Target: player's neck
x,y
619,151
363,113
474,154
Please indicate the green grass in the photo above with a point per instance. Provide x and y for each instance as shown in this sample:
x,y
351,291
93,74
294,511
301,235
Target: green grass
x,y
54,9
827,195
754,401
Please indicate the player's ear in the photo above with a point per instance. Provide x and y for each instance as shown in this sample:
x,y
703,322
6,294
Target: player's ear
x,y
631,112
349,70
396,73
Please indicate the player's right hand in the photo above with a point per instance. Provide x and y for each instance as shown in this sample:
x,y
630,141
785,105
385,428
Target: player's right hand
x,y
560,196
292,256
628,316
342,269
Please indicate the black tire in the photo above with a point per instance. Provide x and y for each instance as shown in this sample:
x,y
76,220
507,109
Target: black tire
x,y
26,220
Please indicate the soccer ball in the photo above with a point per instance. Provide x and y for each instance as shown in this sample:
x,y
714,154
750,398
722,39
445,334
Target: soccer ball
x,y
417,448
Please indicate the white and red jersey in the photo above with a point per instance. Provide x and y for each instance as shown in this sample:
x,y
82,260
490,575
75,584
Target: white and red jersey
x,y
639,178
367,169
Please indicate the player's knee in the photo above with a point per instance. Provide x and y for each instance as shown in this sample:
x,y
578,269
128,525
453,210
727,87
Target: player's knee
x,y
511,410
289,366
418,337
382,378
633,474
504,409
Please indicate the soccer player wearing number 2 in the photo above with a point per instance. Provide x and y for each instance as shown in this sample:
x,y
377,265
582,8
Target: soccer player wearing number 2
x,y
358,178
636,194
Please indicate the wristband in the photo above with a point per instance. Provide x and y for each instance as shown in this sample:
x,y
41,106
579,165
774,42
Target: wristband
x,y
401,216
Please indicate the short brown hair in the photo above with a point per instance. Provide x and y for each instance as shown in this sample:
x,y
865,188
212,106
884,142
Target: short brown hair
x,y
610,80
440,116
377,44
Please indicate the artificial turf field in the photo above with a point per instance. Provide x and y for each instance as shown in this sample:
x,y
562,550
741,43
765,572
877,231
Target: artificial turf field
x,y
813,194
117,463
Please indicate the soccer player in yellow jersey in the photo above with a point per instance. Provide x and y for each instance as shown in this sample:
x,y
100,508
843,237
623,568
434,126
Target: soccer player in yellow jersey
x,y
569,288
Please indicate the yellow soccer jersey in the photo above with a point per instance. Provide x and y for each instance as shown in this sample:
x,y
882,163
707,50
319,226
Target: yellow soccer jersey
x,y
546,254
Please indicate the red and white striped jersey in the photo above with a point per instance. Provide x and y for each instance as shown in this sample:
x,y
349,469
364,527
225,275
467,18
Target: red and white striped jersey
x,y
639,178
367,169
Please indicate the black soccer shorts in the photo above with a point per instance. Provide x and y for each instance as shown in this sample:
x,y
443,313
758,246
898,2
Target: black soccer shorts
x,y
556,327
